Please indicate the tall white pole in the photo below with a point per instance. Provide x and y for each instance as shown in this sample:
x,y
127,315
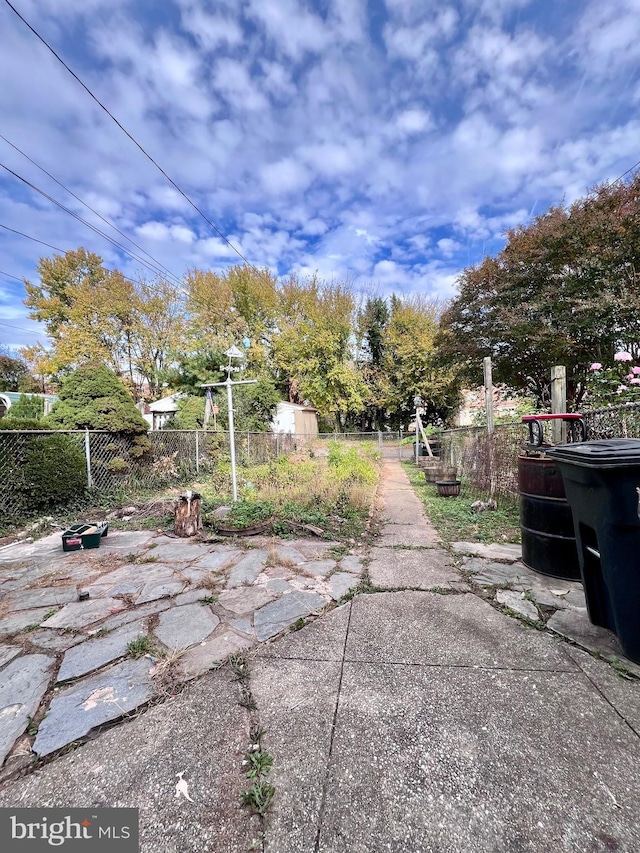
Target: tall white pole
x,y
232,439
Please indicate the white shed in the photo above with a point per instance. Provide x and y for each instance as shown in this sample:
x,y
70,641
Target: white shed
x,y
295,420
158,413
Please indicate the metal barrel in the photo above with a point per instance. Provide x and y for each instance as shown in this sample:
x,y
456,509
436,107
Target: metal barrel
x,y
546,523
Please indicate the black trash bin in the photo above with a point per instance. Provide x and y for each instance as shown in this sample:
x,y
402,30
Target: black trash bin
x,y
601,479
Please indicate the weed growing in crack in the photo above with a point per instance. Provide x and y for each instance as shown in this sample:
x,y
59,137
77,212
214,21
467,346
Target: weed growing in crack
x,y
259,796
208,599
141,646
258,762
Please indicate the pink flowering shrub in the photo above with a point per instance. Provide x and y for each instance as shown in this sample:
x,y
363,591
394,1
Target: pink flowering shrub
x,y
609,386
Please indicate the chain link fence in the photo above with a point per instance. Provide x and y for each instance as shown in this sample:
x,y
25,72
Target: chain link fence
x,y
489,463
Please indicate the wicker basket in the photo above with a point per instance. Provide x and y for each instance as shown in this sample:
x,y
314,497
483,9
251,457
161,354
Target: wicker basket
x,y
448,488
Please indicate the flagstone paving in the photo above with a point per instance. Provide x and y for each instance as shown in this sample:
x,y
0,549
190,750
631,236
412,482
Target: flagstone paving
x,y
196,601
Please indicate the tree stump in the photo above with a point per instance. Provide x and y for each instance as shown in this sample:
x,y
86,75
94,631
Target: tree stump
x,y
188,514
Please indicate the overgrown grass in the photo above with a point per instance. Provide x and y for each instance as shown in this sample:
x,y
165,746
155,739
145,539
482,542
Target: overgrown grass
x,y
332,492
454,519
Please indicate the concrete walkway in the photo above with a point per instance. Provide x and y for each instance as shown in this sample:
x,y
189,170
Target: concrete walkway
x,y
420,717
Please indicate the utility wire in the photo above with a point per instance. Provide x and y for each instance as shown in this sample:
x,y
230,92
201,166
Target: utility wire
x,y
93,228
132,138
88,206
58,249
185,293
8,275
19,328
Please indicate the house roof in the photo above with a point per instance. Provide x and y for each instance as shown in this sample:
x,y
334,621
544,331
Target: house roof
x,y
166,404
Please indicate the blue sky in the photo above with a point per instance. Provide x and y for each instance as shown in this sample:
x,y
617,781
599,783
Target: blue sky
x,y
388,142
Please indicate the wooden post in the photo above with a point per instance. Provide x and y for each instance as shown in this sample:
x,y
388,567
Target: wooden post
x,y
188,514
488,393
559,403
197,454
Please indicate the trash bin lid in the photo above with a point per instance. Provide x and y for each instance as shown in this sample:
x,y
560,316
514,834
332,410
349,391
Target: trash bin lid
x,y
608,453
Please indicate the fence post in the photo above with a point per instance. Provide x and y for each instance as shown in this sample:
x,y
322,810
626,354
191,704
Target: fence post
x,y
559,402
379,441
197,454
277,445
488,392
87,455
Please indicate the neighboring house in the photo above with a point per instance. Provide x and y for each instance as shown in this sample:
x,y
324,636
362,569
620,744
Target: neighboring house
x,y
474,405
296,420
10,398
158,413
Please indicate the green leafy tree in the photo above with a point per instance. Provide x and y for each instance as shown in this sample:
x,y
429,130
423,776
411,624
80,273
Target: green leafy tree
x,y
312,350
15,374
27,407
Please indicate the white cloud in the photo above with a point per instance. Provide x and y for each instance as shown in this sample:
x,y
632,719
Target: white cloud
x,y
285,176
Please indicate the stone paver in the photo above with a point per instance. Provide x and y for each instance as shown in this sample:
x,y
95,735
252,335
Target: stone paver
x,y
352,563
245,599
54,596
176,551
74,711
8,653
205,656
340,583
247,569
23,683
79,614
575,626
153,590
494,551
518,603
22,619
287,555
319,568
279,585
275,617
181,627
218,560
98,652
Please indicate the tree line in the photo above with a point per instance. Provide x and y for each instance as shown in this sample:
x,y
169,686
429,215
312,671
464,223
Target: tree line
x,y
563,290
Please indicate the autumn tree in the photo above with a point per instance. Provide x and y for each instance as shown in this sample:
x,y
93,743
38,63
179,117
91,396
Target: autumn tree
x,y
410,364
15,374
91,312
312,348
564,290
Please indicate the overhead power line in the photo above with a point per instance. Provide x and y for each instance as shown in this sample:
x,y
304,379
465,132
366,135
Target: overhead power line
x,y
185,293
57,249
132,138
115,243
88,206
19,328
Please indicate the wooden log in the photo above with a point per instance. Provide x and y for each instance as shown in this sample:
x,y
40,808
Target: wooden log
x,y
188,515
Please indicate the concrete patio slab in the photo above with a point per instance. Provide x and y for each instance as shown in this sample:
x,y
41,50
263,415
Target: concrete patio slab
x,y
322,639
435,766
494,551
421,535
414,568
298,721
454,630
